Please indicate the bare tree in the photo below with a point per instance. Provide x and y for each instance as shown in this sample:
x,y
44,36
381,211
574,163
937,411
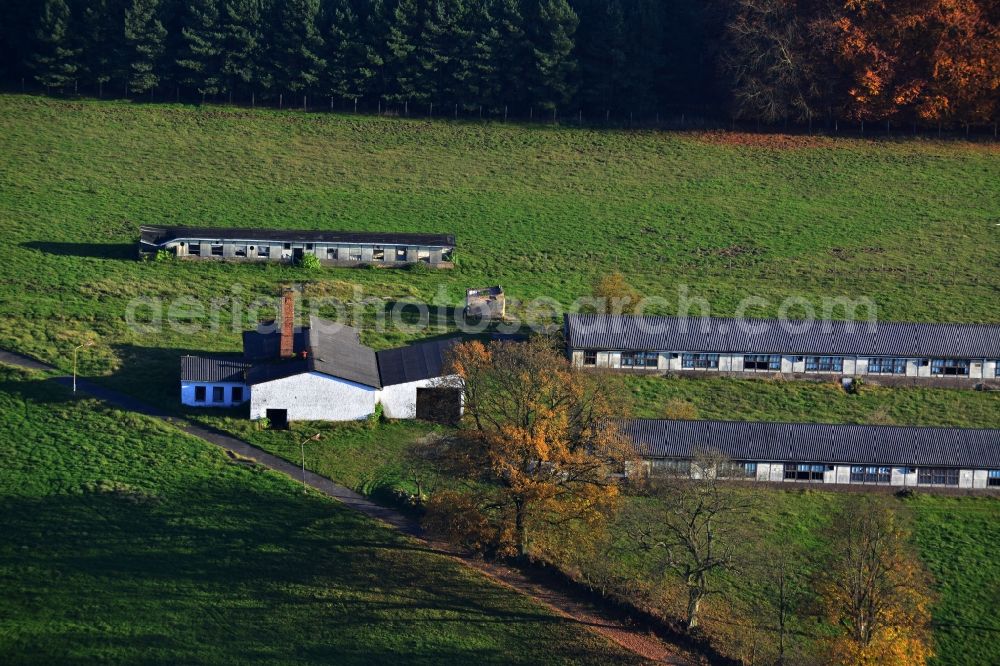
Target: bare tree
x,y
771,60
695,526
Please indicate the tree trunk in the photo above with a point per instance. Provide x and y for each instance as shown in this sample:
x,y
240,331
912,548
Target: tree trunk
x,y
521,529
694,605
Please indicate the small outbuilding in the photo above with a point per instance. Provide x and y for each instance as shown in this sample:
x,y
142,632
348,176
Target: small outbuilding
x,y
487,303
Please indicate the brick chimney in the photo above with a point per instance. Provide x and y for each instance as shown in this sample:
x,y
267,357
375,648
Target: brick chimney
x,y
287,348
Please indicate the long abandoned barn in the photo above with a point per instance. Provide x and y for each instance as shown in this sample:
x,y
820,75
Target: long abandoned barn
x,y
885,351
820,453
336,248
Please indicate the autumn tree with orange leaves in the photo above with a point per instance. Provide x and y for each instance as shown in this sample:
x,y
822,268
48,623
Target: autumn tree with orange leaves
x,y
921,60
875,589
536,448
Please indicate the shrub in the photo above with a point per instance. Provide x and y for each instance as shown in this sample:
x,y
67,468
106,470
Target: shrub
x,y
309,262
679,410
163,255
418,267
376,416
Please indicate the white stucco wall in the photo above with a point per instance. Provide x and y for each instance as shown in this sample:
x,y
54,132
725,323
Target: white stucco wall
x,y
187,394
400,400
314,397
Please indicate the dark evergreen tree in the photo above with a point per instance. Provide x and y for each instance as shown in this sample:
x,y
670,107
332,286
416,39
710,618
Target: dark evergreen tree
x,y
480,49
298,46
201,59
506,58
143,47
402,62
17,36
56,59
375,17
102,35
646,75
552,73
241,32
445,53
600,52
347,73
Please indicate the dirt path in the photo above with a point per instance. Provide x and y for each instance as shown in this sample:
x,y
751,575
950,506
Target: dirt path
x,y
641,642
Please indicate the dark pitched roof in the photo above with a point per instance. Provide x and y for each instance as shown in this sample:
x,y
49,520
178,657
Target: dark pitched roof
x,y
335,350
818,443
264,344
277,369
157,235
775,336
412,363
213,369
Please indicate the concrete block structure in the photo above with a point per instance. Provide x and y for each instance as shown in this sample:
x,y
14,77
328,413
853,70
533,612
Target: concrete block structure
x,y
882,352
335,248
892,456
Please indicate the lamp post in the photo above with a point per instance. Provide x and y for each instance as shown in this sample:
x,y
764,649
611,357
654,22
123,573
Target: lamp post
x,y
302,448
75,351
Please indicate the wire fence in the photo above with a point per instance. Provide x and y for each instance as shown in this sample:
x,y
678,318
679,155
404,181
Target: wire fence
x,y
702,117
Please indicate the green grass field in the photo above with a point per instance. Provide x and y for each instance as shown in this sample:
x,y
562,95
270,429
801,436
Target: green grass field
x,y
542,211
815,402
952,535
124,541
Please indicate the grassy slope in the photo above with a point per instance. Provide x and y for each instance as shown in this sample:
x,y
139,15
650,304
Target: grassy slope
x,y
953,535
540,210
122,541
816,402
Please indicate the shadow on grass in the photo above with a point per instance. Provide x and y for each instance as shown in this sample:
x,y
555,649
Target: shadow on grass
x,y
229,569
94,250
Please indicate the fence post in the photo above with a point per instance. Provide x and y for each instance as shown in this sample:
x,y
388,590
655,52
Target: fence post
x,y
456,112
505,113
281,100
355,105
331,103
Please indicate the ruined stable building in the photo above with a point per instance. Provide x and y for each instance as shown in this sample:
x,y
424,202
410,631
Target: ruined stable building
x,y
334,248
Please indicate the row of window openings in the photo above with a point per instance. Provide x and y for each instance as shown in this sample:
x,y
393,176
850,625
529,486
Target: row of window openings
x,y
218,394
332,253
728,470
756,362
933,476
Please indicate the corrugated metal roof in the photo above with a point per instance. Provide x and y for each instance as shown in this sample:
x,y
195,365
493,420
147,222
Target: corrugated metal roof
x,y
819,443
213,369
775,336
158,235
